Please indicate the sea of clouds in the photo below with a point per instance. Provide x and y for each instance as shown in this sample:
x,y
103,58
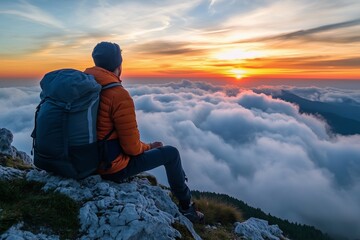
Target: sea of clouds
x,y
245,144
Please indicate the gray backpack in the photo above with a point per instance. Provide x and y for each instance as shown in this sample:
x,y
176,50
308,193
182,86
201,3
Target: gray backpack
x,y
64,136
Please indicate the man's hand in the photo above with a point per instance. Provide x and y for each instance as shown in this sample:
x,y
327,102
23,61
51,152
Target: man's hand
x,y
156,145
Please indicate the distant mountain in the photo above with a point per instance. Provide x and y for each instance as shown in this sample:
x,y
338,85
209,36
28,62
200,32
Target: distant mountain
x,y
343,118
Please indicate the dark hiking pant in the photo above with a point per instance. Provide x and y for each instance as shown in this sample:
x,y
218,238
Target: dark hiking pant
x,y
169,157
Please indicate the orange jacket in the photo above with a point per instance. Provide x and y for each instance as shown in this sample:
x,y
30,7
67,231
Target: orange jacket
x,y
117,111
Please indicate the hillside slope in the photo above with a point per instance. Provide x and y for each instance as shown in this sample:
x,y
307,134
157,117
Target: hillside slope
x,y
342,118
291,230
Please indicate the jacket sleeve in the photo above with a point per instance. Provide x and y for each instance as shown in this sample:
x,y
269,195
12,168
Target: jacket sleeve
x,y
124,117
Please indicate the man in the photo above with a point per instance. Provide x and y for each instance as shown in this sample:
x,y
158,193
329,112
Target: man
x,y
128,154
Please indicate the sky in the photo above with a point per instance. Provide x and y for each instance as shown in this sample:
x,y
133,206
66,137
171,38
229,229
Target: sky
x,y
211,39
243,143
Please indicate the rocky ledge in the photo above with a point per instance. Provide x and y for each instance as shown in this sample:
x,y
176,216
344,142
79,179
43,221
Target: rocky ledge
x,y
131,210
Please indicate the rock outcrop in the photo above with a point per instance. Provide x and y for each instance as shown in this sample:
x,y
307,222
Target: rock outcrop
x,y
8,173
258,229
130,210
6,138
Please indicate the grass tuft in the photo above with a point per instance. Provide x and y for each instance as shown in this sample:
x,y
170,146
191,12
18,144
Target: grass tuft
x,y
218,212
24,201
185,234
17,163
219,219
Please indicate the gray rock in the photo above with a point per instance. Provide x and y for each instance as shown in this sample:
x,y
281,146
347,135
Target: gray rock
x,y
6,138
258,229
22,155
87,216
7,173
131,210
15,233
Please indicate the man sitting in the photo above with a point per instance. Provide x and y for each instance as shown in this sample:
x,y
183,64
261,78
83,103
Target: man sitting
x,y
116,116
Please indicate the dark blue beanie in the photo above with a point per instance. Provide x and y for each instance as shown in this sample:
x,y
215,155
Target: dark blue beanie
x,y
107,55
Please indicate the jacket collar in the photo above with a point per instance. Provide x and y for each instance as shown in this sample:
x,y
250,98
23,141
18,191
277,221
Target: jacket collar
x,y
102,76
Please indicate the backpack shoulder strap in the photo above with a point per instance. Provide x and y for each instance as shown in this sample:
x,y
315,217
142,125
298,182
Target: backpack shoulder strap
x,y
33,134
107,86
106,162
110,85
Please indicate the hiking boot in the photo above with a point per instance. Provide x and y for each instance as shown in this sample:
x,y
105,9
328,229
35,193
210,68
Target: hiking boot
x,y
192,214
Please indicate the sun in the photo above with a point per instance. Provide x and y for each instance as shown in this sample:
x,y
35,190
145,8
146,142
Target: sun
x,y
238,73
238,76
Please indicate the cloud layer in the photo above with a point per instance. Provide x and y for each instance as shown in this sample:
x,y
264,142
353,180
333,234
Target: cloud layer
x,y
259,149
246,144
17,106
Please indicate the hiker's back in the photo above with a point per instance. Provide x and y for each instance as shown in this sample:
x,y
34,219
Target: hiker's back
x,y
65,139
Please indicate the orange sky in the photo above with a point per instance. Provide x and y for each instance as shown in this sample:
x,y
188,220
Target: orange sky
x,y
192,39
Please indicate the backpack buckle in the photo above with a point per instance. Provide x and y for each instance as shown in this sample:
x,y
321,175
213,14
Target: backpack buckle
x,y
68,106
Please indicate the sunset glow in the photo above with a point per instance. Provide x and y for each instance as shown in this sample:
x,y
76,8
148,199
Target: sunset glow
x,y
238,73
187,39
238,54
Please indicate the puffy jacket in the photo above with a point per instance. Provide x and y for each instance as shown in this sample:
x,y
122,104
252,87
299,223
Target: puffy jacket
x,y
117,111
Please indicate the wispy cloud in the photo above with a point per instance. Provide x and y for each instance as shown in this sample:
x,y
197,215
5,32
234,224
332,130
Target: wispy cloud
x,y
312,62
30,12
324,28
167,48
135,18
347,62
212,2
307,34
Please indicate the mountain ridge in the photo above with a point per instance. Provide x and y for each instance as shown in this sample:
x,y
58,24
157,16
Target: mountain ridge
x,y
342,119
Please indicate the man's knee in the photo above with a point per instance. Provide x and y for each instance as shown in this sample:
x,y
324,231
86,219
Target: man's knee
x,y
171,152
